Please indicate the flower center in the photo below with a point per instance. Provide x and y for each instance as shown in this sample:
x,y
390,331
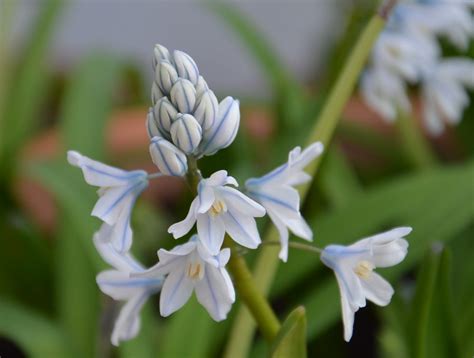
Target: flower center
x,y
195,270
217,207
364,269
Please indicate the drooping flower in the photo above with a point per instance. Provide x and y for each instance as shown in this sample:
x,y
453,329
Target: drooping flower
x,y
353,266
218,209
276,193
444,94
190,267
119,285
118,191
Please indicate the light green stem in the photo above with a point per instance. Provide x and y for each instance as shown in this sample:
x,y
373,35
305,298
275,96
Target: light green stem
x,y
267,262
414,144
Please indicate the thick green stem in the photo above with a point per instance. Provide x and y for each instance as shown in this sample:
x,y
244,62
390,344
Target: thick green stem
x,y
252,297
267,262
414,144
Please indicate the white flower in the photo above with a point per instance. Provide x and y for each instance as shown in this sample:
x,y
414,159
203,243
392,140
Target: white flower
x,y
444,96
354,264
224,129
384,92
120,286
276,192
191,267
169,159
219,209
118,192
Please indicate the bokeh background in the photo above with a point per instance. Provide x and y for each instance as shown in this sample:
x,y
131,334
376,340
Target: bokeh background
x,y
76,75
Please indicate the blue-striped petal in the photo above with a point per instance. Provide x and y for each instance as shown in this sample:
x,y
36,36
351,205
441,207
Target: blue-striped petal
x,y
169,159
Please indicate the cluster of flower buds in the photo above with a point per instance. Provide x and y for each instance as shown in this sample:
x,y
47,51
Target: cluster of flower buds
x,y
407,52
186,122
186,118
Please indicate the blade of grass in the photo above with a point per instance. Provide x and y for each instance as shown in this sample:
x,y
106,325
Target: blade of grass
x,y
28,91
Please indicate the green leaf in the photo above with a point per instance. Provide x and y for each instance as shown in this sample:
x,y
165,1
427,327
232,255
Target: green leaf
x,y
29,88
35,334
88,103
291,340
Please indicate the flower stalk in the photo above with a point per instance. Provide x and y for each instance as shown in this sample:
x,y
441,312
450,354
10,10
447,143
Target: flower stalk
x,y
415,145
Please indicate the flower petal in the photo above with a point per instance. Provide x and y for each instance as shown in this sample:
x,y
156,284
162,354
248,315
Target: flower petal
x,y
206,197
183,227
99,174
176,291
120,286
239,202
283,231
242,229
127,324
211,231
123,262
281,199
212,292
377,289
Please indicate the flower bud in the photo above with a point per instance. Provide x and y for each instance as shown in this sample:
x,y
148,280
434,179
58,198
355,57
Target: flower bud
x,y
165,76
156,93
151,125
160,53
206,109
164,113
201,86
183,95
222,133
169,159
186,66
186,133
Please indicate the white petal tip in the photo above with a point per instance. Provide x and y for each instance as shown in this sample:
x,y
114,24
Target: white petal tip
x,y
74,158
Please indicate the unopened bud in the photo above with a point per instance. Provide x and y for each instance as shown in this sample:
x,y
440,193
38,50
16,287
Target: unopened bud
x,y
186,66
222,133
206,109
186,133
165,76
183,95
169,159
160,53
165,113
201,86
156,93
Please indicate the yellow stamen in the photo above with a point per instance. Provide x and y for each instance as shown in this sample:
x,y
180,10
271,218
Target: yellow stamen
x,y
364,269
195,271
217,207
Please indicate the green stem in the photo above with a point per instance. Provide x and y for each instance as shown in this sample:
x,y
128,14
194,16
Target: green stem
x,y
415,145
267,262
253,298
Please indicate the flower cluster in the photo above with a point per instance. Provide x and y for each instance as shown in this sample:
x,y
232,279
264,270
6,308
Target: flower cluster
x,y
407,53
186,118
185,123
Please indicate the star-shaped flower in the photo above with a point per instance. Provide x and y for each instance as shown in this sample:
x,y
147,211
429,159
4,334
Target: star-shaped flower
x,y
218,209
190,267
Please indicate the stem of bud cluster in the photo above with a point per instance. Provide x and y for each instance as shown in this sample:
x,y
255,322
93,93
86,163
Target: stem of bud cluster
x,y
267,262
246,288
415,145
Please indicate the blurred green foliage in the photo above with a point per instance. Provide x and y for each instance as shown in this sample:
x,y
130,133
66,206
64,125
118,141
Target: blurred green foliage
x,y
50,305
